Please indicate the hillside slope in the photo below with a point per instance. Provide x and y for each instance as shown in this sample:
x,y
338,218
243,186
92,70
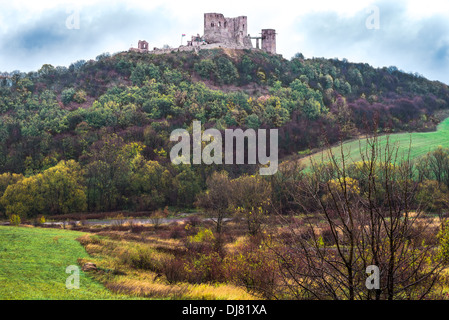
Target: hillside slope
x,y
413,145
100,129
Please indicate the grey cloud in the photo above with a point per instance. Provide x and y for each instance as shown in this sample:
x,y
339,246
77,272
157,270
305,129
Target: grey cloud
x,y
414,46
48,36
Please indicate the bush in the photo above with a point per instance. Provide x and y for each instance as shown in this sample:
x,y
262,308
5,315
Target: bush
x,y
80,96
143,258
15,219
202,242
206,268
157,217
253,268
39,221
119,220
173,269
177,232
67,95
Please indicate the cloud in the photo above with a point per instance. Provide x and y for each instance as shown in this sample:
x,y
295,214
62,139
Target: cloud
x,y
52,37
414,45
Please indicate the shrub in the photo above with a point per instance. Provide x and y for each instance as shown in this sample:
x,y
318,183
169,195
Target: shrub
x,y
39,221
15,219
203,235
157,217
443,238
254,268
202,242
142,258
119,220
194,221
177,232
137,228
206,268
79,96
173,269
67,95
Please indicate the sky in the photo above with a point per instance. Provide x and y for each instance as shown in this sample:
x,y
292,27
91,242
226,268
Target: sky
x,y
411,35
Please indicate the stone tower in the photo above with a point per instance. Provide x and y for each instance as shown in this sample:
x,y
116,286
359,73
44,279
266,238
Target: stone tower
x,y
142,45
228,31
269,40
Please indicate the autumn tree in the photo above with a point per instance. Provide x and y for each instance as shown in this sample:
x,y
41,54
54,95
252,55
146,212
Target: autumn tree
x,y
108,172
216,200
251,200
57,190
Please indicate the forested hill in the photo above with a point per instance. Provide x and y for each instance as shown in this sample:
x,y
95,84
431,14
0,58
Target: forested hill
x,y
120,110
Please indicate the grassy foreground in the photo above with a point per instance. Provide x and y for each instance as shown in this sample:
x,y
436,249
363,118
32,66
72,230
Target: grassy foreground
x,y
33,262
419,144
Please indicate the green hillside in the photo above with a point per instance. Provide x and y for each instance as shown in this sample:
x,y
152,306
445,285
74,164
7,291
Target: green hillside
x,y
33,264
419,143
95,137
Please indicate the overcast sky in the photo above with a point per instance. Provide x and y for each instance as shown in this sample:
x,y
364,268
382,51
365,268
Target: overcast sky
x,y
412,35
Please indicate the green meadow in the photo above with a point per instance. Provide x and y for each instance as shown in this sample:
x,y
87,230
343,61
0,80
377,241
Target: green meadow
x,y
418,143
33,264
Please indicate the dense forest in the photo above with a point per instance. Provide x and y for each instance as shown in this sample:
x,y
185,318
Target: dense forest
x,y
95,136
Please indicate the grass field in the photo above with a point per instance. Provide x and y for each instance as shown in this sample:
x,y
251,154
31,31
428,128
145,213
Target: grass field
x,y
419,144
33,262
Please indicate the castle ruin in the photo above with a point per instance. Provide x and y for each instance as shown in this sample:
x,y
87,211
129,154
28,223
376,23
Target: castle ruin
x,y
142,46
269,40
221,32
228,31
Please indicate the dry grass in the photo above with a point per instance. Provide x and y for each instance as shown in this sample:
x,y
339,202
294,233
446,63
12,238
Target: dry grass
x,y
151,264
131,264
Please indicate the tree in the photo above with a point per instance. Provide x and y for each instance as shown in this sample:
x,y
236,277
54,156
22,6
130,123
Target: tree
x,y
251,200
57,190
108,172
148,192
206,68
67,95
216,200
227,72
188,186
144,72
62,187
433,197
435,166
379,226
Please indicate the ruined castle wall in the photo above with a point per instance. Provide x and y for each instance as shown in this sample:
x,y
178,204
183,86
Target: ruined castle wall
x,y
269,40
229,31
196,48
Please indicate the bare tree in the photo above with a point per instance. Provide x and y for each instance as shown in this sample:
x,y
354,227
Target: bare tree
x,y
370,218
217,199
